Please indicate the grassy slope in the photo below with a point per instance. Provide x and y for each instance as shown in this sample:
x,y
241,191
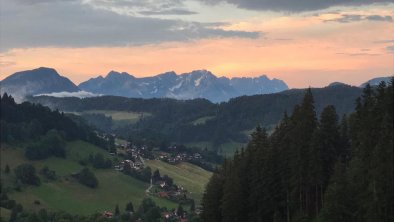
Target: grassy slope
x,y
119,118
67,194
202,120
192,177
4,214
228,149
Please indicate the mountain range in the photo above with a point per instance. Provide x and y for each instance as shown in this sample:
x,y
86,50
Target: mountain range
x,y
196,84
192,85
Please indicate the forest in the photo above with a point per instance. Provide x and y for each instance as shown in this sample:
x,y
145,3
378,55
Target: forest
x,y
47,128
311,168
171,120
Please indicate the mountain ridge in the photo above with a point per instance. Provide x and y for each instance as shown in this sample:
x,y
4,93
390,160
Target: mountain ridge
x,y
36,81
191,85
376,81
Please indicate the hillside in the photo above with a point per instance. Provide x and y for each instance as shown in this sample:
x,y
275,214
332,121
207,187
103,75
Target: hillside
x,y
65,193
376,81
190,176
49,161
200,121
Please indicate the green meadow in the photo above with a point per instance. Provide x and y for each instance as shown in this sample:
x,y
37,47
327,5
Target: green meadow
x,y
66,194
190,176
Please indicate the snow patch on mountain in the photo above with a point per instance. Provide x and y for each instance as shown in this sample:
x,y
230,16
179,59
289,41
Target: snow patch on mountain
x,y
198,81
179,85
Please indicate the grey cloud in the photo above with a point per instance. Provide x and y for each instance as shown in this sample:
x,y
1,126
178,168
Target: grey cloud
x,y
357,54
168,12
384,41
294,6
32,2
284,39
144,7
346,18
379,18
75,25
390,48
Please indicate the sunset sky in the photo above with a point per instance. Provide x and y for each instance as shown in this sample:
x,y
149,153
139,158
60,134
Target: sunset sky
x,y
305,42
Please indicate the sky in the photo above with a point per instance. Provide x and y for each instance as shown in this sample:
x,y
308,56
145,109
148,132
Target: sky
x,y
304,42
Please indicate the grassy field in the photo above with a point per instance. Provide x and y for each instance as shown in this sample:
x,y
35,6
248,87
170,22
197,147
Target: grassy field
x,y
4,213
201,145
67,194
120,141
202,120
190,176
121,115
119,118
228,149
225,149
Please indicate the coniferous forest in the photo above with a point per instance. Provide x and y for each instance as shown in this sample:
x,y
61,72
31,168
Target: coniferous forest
x,y
326,168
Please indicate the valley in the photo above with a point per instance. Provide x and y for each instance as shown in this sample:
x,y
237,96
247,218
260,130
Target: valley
x,y
65,194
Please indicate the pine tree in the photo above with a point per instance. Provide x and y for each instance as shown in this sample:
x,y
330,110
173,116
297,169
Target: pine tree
x,y
259,149
232,193
211,202
344,151
339,205
325,150
117,211
305,123
179,210
129,207
192,206
7,169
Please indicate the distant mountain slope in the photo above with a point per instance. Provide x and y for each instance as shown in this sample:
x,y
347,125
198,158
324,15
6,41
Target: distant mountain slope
x,y
36,81
196,84
337,84
376,81
258,85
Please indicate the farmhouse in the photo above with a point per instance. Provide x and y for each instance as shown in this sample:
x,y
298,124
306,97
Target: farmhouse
x,y
107,214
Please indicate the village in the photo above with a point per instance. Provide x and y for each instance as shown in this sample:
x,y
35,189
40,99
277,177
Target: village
x,y
161,186
134,155
132,160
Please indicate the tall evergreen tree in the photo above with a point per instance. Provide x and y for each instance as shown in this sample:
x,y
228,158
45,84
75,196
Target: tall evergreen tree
x,y
305,123
232,193
211,203
259,151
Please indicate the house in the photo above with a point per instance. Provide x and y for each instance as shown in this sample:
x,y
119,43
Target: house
x,y
198,211
197,156
167,215
118,167
162,194
107,214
